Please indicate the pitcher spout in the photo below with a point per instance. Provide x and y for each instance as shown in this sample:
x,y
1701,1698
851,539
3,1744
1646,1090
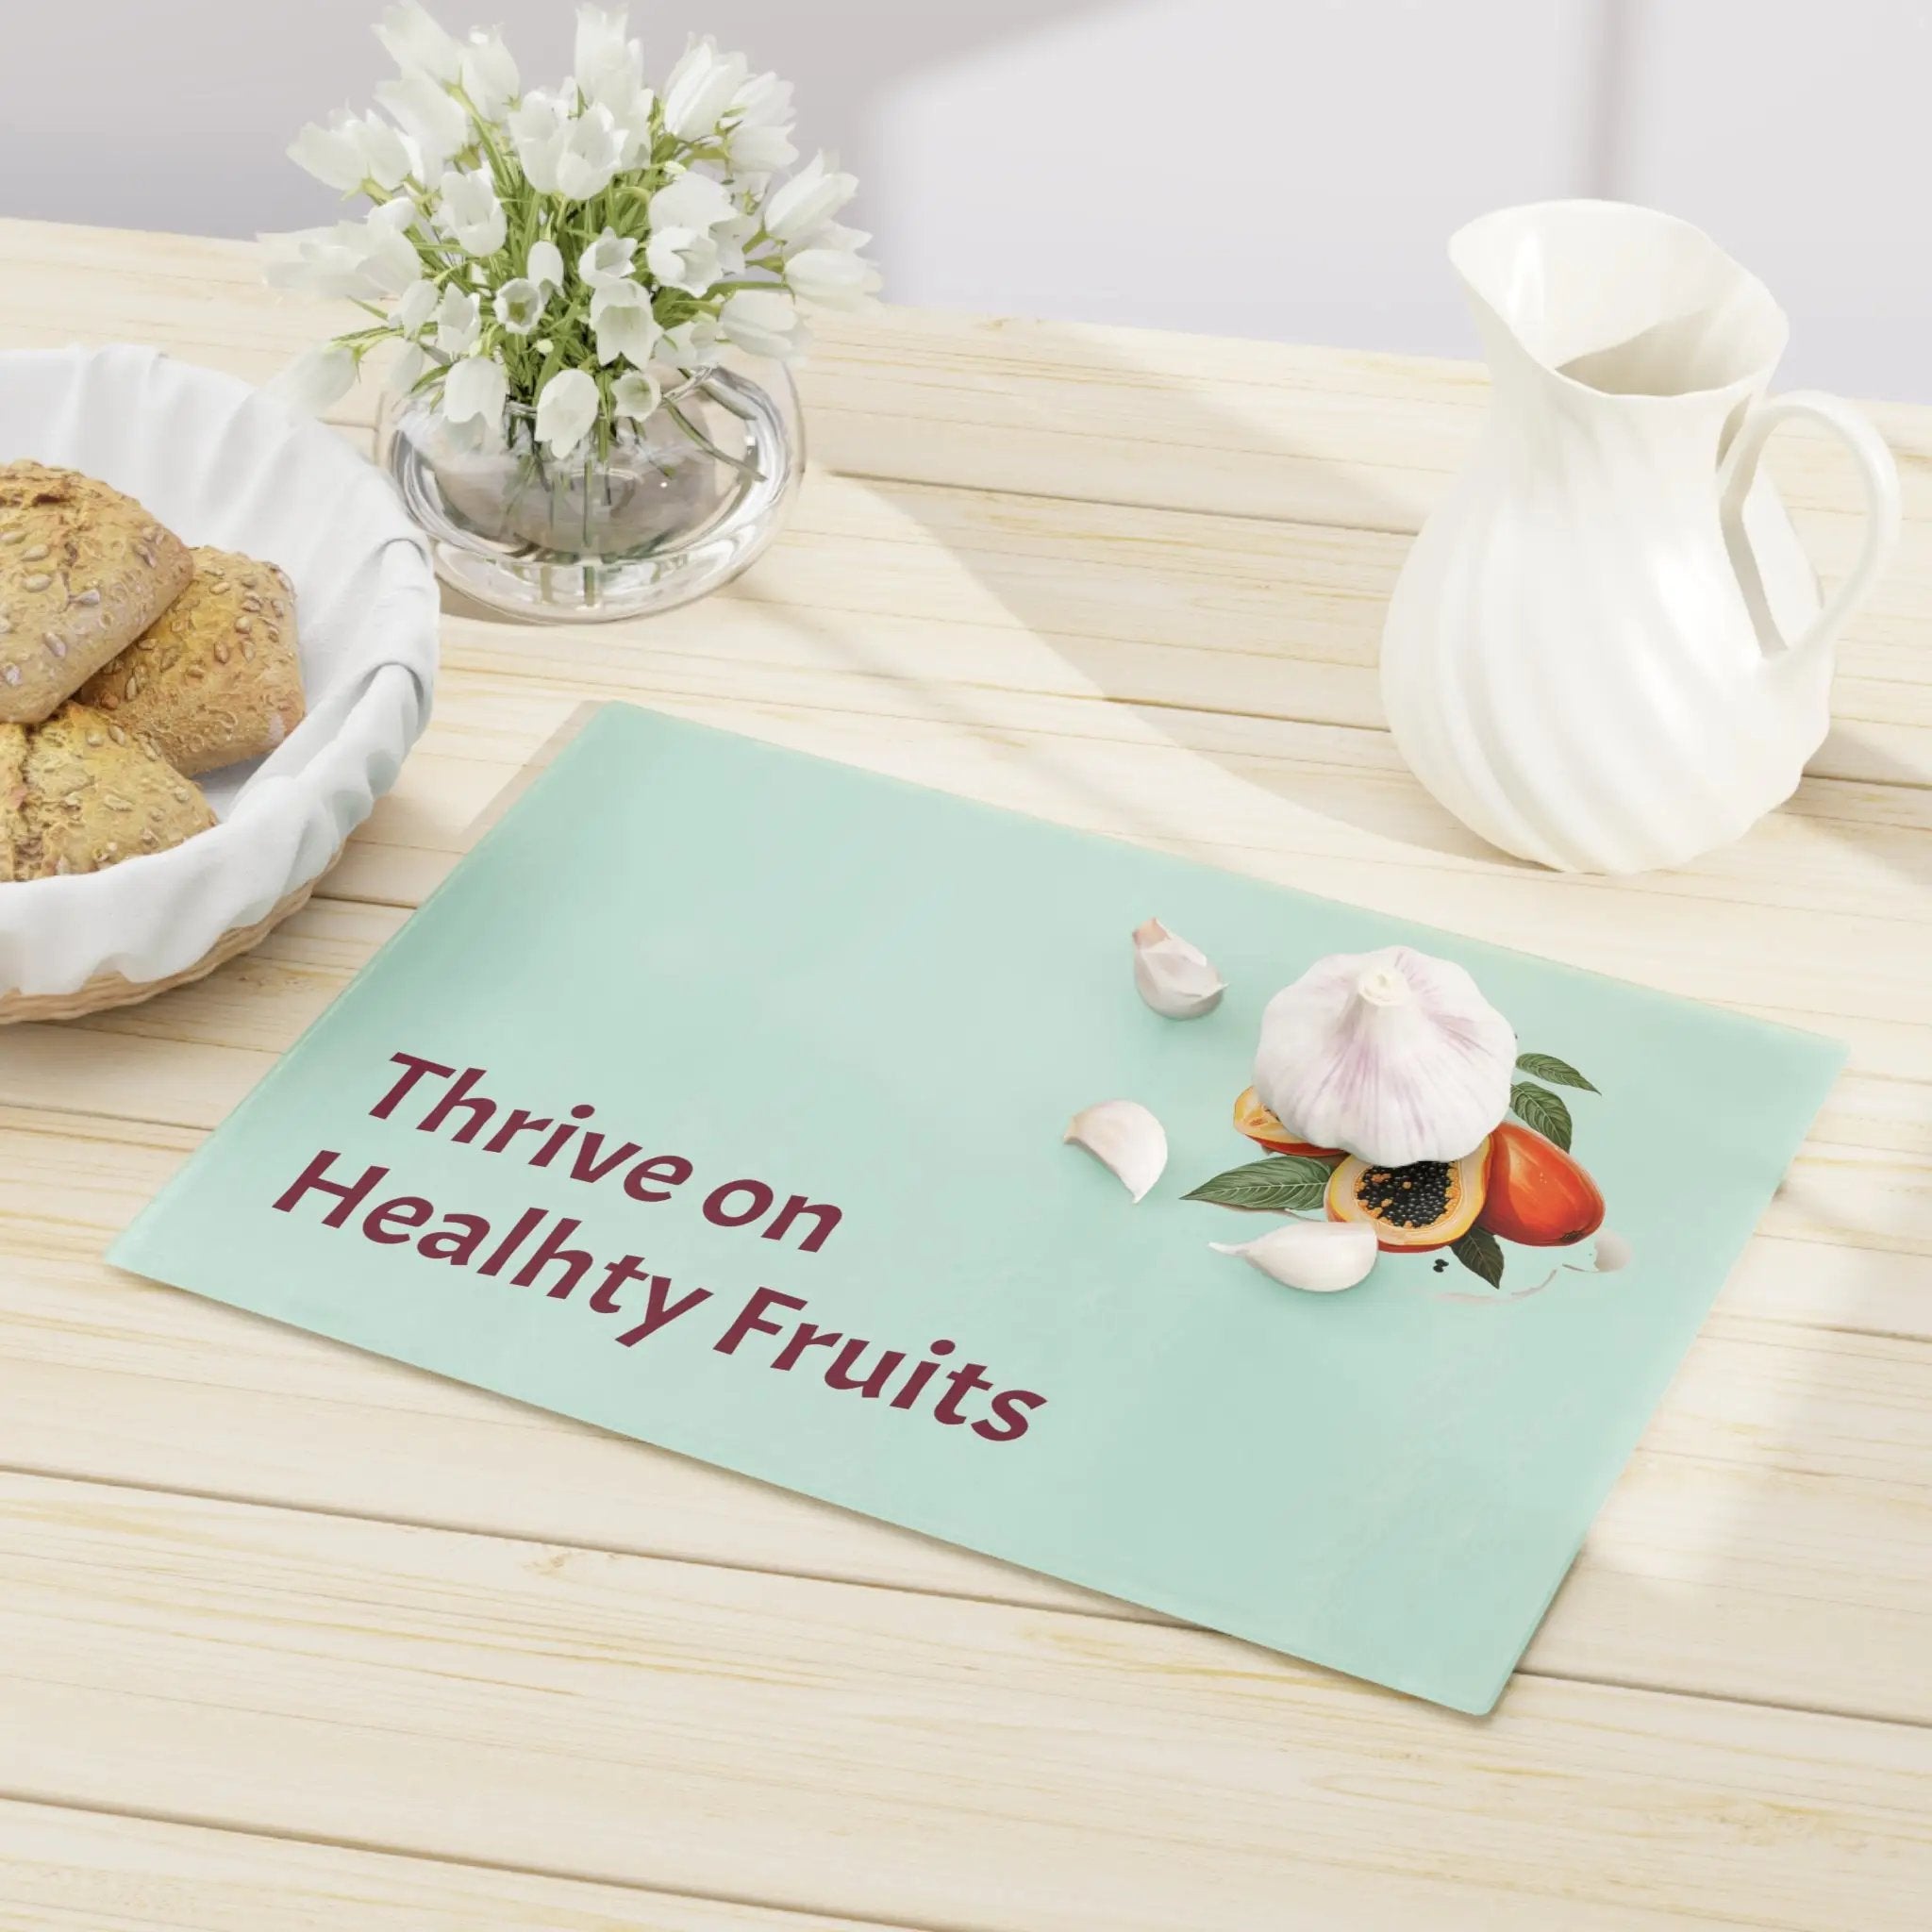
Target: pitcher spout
x,y
1617,301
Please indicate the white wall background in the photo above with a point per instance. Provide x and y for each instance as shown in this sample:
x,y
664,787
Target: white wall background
x,y
1283,168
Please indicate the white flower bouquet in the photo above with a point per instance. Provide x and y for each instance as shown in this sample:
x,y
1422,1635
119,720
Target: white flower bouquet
x,y
582,251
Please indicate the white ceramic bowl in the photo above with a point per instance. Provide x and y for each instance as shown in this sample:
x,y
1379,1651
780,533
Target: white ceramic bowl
x,y
221,463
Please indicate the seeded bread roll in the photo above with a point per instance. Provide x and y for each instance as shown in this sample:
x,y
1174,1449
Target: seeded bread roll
x,y
79,793
83,572
12,801
215,678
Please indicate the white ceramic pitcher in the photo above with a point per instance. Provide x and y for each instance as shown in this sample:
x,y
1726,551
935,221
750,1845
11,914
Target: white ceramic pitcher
x,y
1607,650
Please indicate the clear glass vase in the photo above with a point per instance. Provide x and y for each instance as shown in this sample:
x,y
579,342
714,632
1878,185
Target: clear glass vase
x,y
662,516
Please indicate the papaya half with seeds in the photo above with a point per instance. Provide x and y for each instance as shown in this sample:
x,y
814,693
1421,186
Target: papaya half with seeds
x,y
1426,1205
1266,1130
1535,1194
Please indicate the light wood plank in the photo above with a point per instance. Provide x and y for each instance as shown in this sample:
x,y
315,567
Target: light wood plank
x,y
1218,613
65,1871
1848,848
1241,429
704,1730
1073,409
199,299
910,397
1772,1540
1234,781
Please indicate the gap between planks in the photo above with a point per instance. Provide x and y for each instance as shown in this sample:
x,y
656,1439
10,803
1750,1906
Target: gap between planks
x,y
1094,1608
296,1880
1849,762
689,1699
1203,791
884,709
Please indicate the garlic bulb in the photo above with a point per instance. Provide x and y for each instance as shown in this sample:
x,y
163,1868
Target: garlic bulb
x,y
1393,1055
1318,1256
1124,1136
1175,978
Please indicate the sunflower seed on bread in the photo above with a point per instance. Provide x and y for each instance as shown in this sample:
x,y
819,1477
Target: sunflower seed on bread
x,y
79,793
83,572
216,677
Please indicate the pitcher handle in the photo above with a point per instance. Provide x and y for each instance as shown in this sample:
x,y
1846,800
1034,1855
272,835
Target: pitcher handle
x,y
1876,470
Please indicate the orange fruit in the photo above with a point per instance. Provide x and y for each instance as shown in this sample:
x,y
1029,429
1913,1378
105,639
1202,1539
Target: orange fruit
x,y
1537,1195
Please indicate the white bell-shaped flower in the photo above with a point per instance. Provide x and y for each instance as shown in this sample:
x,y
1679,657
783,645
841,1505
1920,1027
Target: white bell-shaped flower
x,y
519,303
702,86
566,408
488,71
798,208
763,321
417,43
469,212
622,320
316,378
475,389
636,393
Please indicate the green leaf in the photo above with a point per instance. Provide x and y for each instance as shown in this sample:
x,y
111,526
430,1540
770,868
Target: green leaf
x,y
1283,1180
1479,1252
1538,1108
1546,1066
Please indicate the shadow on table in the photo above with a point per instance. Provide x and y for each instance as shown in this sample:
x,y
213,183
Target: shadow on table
x,y
1250,642
1765,1543
1906,852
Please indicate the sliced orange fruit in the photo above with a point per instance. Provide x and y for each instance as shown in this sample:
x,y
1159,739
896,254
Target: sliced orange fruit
x,y
1265,1130
1427,1203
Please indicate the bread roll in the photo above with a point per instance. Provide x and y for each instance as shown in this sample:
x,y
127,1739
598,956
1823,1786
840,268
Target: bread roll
x,y
216,677
79,793
83,572
12,802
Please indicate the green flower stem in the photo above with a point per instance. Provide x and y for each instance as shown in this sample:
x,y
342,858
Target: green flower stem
x,y
739,463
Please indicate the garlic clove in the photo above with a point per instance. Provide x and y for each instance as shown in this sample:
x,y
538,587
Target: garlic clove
x,y
1395,1056
1318,1256
1612,1253
1176,979
1124,1136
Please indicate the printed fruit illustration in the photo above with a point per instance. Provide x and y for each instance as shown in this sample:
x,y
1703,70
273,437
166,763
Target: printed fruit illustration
x,y
1253,1120
1537,1194
1427,1203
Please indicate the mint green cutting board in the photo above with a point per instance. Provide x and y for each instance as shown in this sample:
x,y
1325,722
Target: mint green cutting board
x,y
888,1000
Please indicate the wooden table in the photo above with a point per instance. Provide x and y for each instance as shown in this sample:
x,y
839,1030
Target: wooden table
x,y
291,1637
